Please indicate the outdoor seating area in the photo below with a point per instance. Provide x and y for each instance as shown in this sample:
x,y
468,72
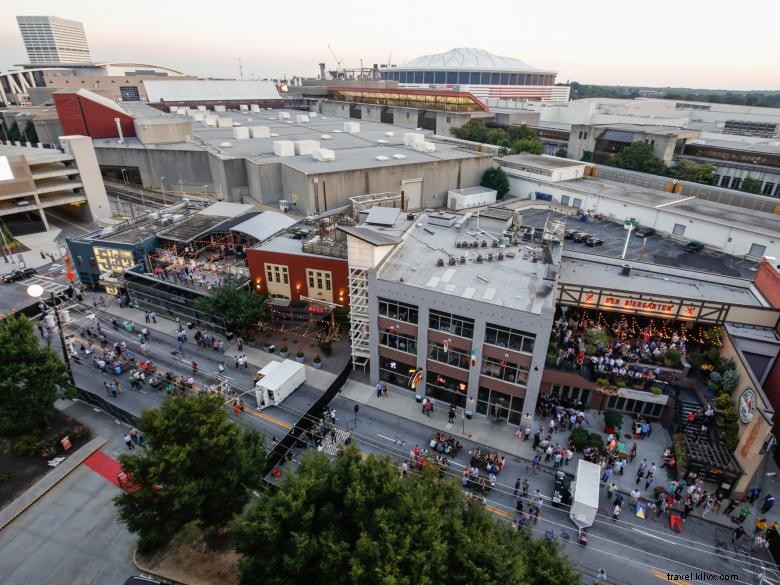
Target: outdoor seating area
x,y
489,461
209,268
445,445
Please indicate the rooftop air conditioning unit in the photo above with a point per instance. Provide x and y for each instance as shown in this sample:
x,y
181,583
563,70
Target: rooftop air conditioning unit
x,y
462,259
382,157
451,261
326,137
440,262
323,154
480,259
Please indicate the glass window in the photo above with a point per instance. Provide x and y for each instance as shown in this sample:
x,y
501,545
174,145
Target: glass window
x,y
398,341
446,388
428,77
402,75
504,79
475,78
460,326
513,79
504,370
463,78
395,372
495,78
397,310
510,338
418,76
452,77
440,77
500,405
449,355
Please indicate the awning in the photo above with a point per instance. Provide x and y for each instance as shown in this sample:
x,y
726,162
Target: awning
x,y
263,226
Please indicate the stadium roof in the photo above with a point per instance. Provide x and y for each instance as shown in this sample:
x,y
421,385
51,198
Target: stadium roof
x,y
207,90
467,59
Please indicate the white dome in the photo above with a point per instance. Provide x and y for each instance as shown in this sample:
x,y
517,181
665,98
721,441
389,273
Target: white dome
x,y
466,59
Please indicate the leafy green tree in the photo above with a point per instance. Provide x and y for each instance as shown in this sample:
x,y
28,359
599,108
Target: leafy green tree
x,y
687,170
32,377
639,156
240,308
751,185
495,178
530,145
13,133
198,467
561,152
521,132
474,130
30,133
587,156
357,521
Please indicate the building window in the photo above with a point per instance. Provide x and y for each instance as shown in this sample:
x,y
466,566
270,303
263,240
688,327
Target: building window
x,y
504,370
446,388
460,326
768,188
509,338
500,405
276,273
736,182
395,371
399,341
448,121
724,181
579,397
452,77
678,230
757,251
448,355
398,311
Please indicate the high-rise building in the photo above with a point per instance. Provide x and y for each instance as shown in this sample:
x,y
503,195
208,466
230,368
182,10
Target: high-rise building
x,y
52,40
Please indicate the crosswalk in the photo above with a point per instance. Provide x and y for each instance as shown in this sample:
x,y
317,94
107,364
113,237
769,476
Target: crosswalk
x,y
48,285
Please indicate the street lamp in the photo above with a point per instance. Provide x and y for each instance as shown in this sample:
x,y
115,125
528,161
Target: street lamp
x,y
162,188
36,292
124,177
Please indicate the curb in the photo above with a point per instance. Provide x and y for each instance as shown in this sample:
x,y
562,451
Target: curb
x,y
147,573
44,485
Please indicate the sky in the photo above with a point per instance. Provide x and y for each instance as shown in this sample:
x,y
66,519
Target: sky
x,y
685,43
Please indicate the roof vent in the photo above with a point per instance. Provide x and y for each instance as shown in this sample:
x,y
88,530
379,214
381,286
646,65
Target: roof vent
x,y
626,270
451,261
484,243
440,262
399,156
490,257
480,259
462,259
382,157
500,256
326,137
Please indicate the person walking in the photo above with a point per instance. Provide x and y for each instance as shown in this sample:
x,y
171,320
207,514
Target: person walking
x,y
133,435
602,575
517,487
129,442
378,390
616,512
194,367
557,460
535,464
687,508
769,501
240,343
730,508
635,493
524,491
611,490
708,506
738,533
333,415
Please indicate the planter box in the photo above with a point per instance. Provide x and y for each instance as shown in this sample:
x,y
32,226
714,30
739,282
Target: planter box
x,y
300,359
317,365
284,354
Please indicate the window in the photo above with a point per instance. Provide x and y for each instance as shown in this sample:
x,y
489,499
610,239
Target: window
x,y
319,279
757,251
635,406
399,341
452,77
504,370
504,79
428,77
439,77
475,78
448,119
578,396
418,76
768,188
678,230
395,371
500,405
463,78
276,273
495,78
736,182
450,356
724,181
399,311
446,388
510,338
459,326
513,79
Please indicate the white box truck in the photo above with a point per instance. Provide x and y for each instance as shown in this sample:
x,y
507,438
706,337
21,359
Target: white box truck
x,y
277,381
585,503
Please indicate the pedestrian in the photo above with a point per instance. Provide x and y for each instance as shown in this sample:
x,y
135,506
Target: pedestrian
x,y
730,508
524,492
611,490
753,494
333,415
557,460
404,468
141,441
129,442
615,512
651,509
194,367
640,473
384,390
568,457
602,575
769,501
134,435
648,481
535,464
635,493
240,343
606,475
687,508
517,487
703,498
738,533
153,317
146,316
708,506
450,416
378,390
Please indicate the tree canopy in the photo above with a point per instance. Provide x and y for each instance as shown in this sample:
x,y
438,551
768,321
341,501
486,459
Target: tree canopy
x,y
687,170
513,140
495,178
240,308
750,185
199,466
32,377
357,521
638,156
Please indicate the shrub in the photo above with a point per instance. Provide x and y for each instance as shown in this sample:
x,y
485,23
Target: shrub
x,y
612,418
672,358
79,432
300,353
579,438
596,336
298,304
714,337
727,420
6,476
680,453
283,349
602,383
595,440
715,381
729,381
325,347
27,445
696,359
657,390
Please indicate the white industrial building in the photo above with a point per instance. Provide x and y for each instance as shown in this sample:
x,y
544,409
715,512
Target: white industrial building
x,y
51,40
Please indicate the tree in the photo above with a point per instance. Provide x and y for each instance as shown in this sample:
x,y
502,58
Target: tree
x,y
240,308
530,145
495,178
357,521
562,152
687,170
199,466
639,156
751,185
587,156
30,133
32,377
474,130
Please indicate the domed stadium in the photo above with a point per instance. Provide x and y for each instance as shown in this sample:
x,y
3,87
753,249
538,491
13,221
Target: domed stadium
x,y
480,73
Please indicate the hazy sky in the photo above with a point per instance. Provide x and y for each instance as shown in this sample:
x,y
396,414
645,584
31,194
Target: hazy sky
x,y
689,43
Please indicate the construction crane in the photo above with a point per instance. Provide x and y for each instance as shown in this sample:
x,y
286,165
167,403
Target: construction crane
x,y
338,61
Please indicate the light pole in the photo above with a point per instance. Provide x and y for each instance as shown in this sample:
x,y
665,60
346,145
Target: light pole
x,y
181,187
124,177
162,188
36,292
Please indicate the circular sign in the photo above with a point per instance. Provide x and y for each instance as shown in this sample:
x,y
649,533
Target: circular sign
x,y
747,405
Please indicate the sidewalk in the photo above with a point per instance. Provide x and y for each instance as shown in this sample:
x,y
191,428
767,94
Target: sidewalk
x,y
41,241
500,436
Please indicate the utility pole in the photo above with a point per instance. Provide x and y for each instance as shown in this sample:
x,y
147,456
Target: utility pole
x,y
240,69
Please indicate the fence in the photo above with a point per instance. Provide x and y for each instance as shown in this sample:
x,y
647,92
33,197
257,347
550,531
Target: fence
x,y
110,408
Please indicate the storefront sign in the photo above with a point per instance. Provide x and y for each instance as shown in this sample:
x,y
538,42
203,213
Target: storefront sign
x,y
315,309
66,444
639,306
643,396
747,405
113,260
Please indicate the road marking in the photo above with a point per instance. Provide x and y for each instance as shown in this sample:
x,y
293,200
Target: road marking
x,y
499,512
663,577
388,438
650,535
83,229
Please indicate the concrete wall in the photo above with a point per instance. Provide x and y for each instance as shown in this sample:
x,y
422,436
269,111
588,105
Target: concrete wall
x,y
171,133
82,150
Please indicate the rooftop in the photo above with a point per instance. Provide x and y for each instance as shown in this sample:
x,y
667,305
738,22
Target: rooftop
x,y
210,89
34,155
517,281
542,161
466,58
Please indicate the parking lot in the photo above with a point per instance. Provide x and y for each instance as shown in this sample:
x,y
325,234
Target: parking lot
x,y
656,249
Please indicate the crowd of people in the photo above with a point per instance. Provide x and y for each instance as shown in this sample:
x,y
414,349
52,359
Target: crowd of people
x,y
212,272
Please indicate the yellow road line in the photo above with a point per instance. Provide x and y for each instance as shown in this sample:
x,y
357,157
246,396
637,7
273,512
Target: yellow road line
x,y
499,512
79,227
663,577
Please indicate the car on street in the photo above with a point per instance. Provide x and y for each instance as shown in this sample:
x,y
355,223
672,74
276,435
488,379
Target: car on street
x,y
16,275
569,234
562,489
644,232
580,237
694,246
593,242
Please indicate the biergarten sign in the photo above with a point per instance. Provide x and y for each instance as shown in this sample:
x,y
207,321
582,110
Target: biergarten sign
x,y
627,304
747,405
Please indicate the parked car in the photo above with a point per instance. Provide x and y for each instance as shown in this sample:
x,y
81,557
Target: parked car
x,y
16,275
562,489
593,242
645,232
569,234
580,237
141,581
22,202
694,246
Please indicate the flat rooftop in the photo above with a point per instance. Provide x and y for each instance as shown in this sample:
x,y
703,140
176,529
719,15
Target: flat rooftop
x,y
35,155
543,161
516,282
353,151
598,272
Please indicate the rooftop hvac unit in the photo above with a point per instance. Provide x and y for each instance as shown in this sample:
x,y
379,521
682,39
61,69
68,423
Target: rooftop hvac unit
x,y
306,147
274,134
389,133
451,261
440,262
399,156
236,124
483,243
323,154
302,118
494,244
412,138
326,136
210,121
201,108
241,133
429,147
480,259
382,157
380,141
254,108
219,108
284,115
243,108
226,144
184,111
490,257
174,109
462,259
223,122
500,256
284,148
457,245
313,114
260,131
199,116
351,127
